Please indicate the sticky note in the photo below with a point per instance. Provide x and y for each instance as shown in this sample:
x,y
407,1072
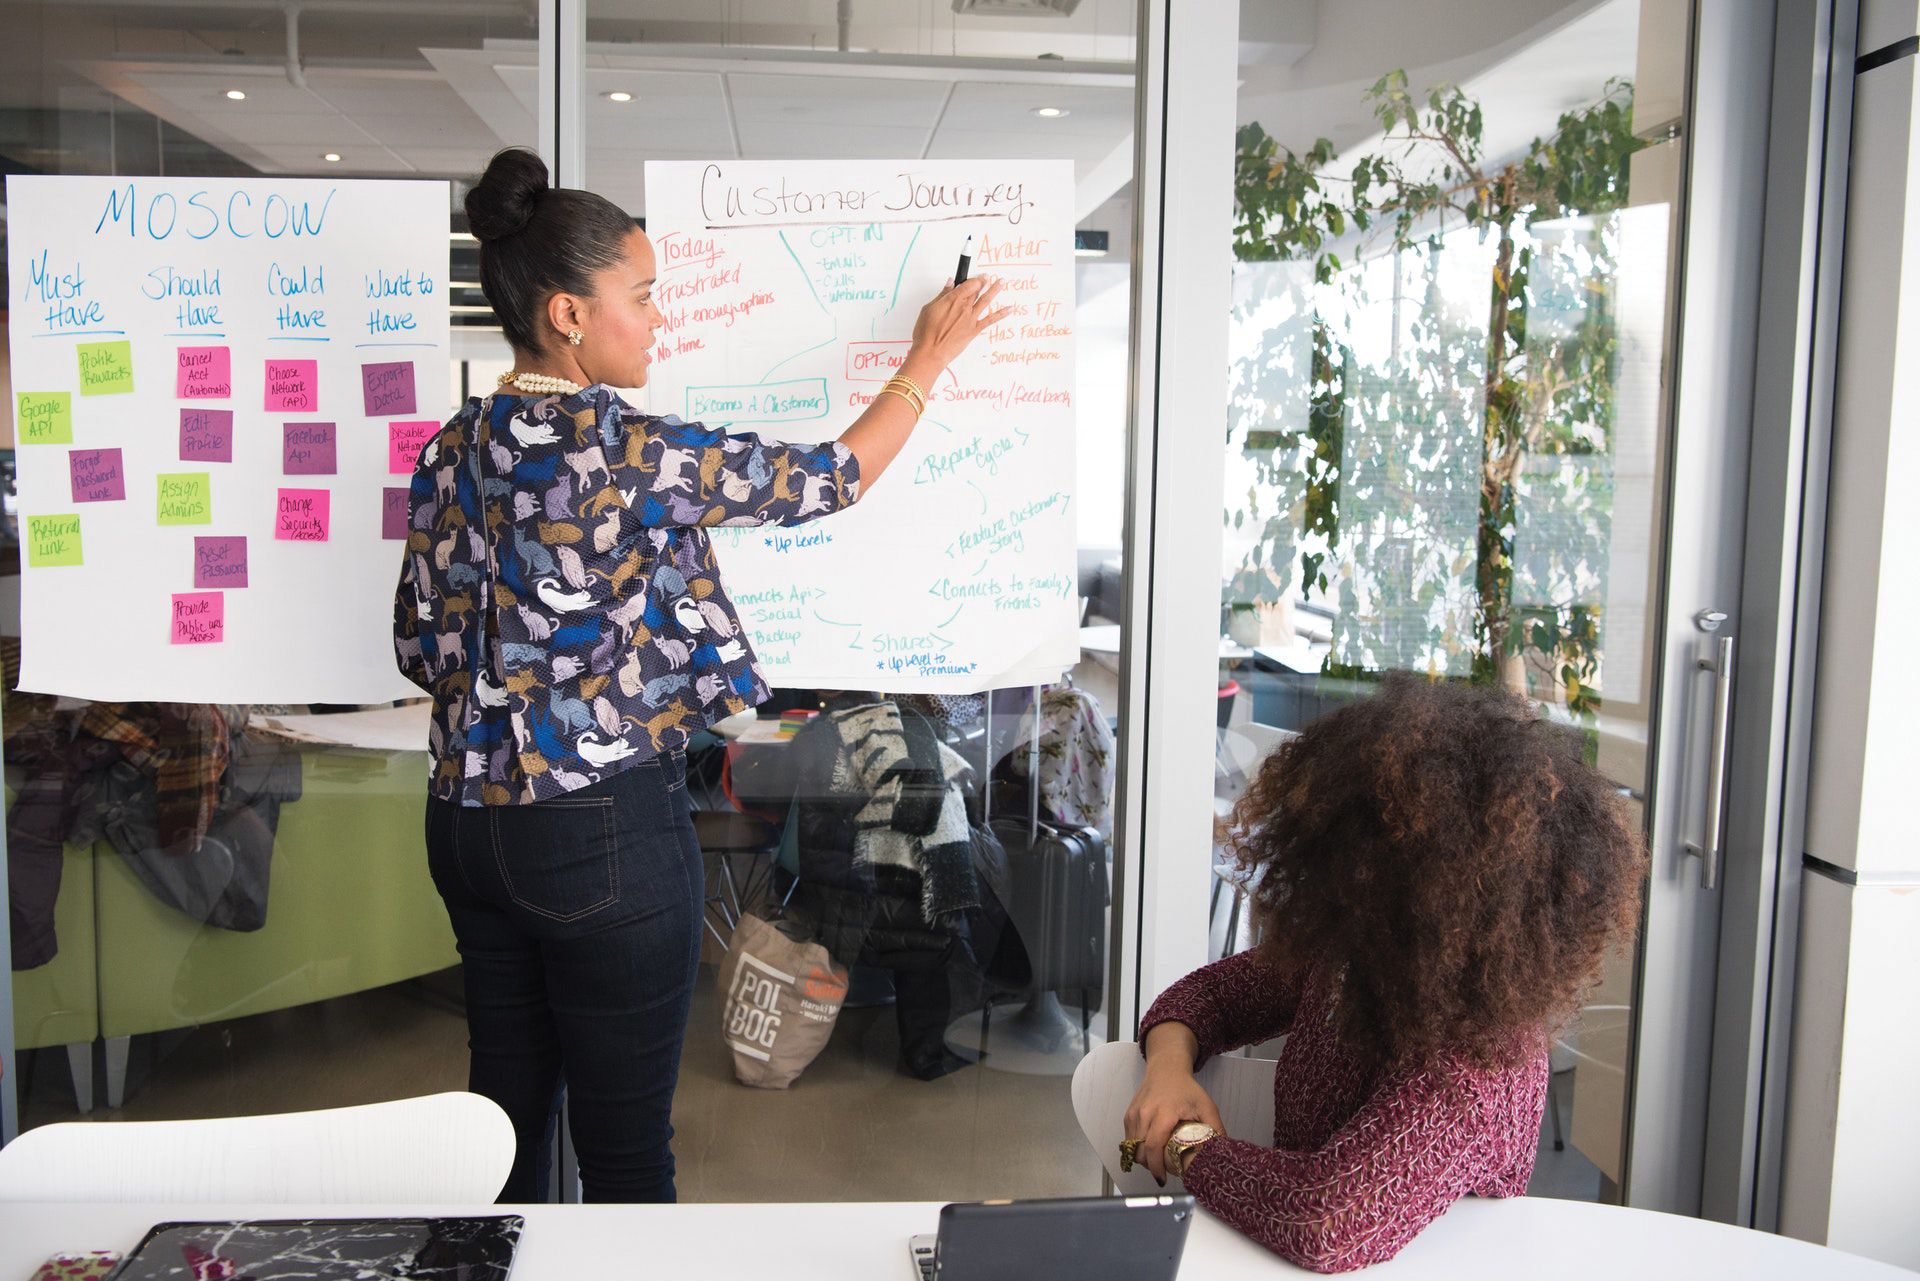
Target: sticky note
x,y
293,386
199,618
202,373
404,442
186,498
44,418
307,449
206,435
393,513
220,562
97,475
388,388
53,540
106,368
301,515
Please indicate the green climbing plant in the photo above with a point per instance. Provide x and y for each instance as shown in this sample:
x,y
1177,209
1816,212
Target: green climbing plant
x,y
1400,483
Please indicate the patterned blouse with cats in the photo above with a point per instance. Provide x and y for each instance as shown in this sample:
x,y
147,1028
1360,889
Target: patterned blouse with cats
x,y
1360,1160
559,597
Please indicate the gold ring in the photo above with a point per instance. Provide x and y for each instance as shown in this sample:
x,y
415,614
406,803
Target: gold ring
x,y
1129,1153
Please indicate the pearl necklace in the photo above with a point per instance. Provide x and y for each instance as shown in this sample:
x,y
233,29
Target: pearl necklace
x,y
540,384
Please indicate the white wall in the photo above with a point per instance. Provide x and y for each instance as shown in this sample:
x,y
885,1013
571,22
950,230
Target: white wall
x,y
1852,1168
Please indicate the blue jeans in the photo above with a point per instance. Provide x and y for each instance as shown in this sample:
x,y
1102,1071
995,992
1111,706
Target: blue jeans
x,y
578,922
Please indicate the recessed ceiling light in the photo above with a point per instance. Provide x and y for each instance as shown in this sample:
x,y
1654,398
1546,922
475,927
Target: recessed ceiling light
x,y
1049,112
238,95
618,95
331,157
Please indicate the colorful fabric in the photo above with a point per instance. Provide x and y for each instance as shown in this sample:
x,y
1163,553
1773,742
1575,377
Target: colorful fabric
x,y
1076,758
183,748
559,597
1361,1161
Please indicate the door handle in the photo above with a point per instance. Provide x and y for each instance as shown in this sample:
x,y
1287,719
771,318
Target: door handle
x,y
1721,665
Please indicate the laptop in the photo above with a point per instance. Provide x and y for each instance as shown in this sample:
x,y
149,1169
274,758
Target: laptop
x,y
470,1249
1108,1238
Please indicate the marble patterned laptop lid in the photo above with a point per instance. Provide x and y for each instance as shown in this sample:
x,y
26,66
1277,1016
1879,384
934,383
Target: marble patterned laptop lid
x,y
466,1249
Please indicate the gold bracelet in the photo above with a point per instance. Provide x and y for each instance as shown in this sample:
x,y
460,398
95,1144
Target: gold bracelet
x,y
919,401
910,385
890,388
919,405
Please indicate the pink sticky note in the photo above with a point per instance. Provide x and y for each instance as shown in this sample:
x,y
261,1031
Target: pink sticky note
x,y
202,373
199,618
393,514
220,562
293,386
388,388
405,441
206,435
307,449
98,476
301,515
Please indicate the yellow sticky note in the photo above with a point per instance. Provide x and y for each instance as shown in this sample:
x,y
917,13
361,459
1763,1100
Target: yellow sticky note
x,y
53,540
186,498
44,418
106,368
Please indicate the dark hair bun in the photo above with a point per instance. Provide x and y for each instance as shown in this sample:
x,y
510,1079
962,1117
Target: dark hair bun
x,y
502,202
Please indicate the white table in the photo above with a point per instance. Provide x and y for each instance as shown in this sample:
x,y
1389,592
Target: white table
x,y
1528,1239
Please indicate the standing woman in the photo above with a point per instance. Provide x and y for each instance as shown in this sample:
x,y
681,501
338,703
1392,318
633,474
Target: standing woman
x,y
561,603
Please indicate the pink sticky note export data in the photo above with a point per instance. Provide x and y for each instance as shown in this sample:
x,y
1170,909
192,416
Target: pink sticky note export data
x,y
388,388
293,386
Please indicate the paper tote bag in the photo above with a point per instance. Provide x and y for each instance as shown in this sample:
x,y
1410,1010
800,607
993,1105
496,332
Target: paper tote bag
x,y
780,999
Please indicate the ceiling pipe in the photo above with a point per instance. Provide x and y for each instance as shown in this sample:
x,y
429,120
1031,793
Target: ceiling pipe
x,y
846,23
296,75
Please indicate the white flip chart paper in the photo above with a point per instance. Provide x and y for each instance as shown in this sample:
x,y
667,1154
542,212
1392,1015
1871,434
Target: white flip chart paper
x,y
790,290
220,388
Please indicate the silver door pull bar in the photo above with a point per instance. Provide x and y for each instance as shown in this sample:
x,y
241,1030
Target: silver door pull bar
x,y
1721,665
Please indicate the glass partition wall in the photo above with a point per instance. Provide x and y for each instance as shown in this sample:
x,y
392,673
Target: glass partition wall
x,y
314,967
286,949
1454,259
946,1075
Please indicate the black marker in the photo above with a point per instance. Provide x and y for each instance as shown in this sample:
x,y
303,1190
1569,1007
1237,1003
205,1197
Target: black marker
x,y
966,261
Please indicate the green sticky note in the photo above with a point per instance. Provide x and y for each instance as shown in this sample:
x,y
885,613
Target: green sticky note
x,y
106,368
53,540
186,498
44,418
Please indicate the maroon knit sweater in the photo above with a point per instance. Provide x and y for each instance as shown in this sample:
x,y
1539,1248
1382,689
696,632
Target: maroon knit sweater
x,y
1361,1160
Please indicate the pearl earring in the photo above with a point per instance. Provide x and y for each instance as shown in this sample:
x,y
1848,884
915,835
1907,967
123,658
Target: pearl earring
x,y
574,336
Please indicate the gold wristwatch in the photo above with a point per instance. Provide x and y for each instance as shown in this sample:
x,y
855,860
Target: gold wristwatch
x,y
1188,1137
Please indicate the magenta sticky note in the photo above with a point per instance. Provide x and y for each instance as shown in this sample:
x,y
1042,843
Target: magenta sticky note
x,y
199,618
388,388
307,449
203,373
301,515
293,386
206,435
393,513
405,439
98,476
220,562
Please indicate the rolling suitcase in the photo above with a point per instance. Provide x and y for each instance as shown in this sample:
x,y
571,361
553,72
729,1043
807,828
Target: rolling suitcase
x,y
1057,899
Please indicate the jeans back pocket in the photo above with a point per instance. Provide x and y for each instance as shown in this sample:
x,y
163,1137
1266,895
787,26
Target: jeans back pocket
x,y
557,858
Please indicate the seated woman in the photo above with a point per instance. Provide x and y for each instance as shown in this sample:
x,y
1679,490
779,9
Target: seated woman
x,y
1439,881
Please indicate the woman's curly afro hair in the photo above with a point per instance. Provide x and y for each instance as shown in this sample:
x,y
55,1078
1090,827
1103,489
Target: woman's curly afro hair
x,y
1440,859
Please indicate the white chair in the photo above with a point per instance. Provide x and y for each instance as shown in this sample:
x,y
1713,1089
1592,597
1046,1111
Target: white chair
x,y
1105,1083
444,1149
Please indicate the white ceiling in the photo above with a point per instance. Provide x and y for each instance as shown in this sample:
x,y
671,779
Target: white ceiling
x,y
943,88
688,103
